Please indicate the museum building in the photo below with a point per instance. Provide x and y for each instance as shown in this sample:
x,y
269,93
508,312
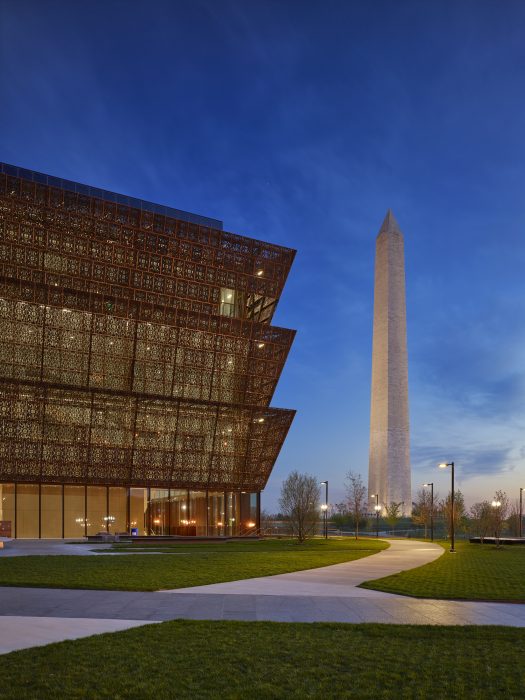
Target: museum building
x,y
137,365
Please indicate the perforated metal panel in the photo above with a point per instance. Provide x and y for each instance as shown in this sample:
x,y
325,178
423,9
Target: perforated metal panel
x,y
115,363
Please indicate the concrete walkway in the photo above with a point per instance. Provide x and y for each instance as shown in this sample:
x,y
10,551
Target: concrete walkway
x,y
327,594
339,580
26,548
16,631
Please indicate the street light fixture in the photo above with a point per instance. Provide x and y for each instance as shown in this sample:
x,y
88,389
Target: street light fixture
x,y
444,465
325,508
377,509
496,504
431,484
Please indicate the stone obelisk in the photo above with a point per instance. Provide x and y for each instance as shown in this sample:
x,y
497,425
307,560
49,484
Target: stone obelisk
x,y
389,466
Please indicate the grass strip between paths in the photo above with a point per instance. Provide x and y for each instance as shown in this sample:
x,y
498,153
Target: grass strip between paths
x,y
187,565
229,659
474,572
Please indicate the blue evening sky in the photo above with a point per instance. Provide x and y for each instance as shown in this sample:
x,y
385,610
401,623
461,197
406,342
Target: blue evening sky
x,y
301,122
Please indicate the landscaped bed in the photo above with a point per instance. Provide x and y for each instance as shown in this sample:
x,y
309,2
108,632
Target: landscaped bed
x,y
194,659
181,565
474,572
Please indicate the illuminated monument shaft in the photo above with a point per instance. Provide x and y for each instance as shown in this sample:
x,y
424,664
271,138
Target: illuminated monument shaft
x,y
389,466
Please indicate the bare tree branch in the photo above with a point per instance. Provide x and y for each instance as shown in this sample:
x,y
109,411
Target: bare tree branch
x,y
356,496
299,502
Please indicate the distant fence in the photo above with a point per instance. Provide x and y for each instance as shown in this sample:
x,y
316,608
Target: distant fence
x,y
281,528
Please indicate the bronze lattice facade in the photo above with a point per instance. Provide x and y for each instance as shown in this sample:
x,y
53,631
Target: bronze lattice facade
x,y
137,352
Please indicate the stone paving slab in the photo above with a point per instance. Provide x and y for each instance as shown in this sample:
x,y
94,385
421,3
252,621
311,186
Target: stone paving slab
x,y
217,606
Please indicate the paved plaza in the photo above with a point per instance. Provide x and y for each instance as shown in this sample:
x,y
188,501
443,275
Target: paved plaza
x,y
35,616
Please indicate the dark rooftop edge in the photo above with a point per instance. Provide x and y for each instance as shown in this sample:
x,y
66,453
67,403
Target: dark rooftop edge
x,y
106,195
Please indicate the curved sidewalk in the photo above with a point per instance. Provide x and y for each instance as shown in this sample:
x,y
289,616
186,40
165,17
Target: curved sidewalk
x,y
338,580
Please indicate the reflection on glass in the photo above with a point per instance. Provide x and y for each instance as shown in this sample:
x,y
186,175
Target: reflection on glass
x,y
74,511
232,513
158,511
198,517
51,511
227,307
248,503
138,506
27,510
97,516
7,510
118,507
178,511
150,511
216,513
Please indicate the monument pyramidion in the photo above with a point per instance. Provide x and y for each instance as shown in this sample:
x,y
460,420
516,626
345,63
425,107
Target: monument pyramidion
x,y
389,464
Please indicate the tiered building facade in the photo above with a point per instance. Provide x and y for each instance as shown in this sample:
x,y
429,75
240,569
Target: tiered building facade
x,y
137,365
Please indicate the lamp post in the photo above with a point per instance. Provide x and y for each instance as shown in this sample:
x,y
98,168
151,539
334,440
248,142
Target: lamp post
x,y
496,504
431,484
325,508
377,509
521,511
444,465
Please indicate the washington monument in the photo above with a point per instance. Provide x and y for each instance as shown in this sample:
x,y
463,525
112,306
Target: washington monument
x,y
389,466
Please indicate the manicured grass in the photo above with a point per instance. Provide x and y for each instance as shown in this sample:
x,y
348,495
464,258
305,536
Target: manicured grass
x,y
187,564
475,572
194,659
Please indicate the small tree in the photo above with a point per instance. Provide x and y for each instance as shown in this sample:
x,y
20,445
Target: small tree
x,y
356,496
392,513
480,519
445,507
499,514
299,502
422,508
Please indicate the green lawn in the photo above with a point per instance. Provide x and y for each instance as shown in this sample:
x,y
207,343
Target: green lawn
x,y
187,564
475,572
194,659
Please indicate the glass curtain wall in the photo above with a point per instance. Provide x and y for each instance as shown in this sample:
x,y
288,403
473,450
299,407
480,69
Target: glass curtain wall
x,y
7,510
248,513
198,519
74,511
232,514
97,509
178,511
159,512
138,509
118,510
216,513
27,499
55,511
51,511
